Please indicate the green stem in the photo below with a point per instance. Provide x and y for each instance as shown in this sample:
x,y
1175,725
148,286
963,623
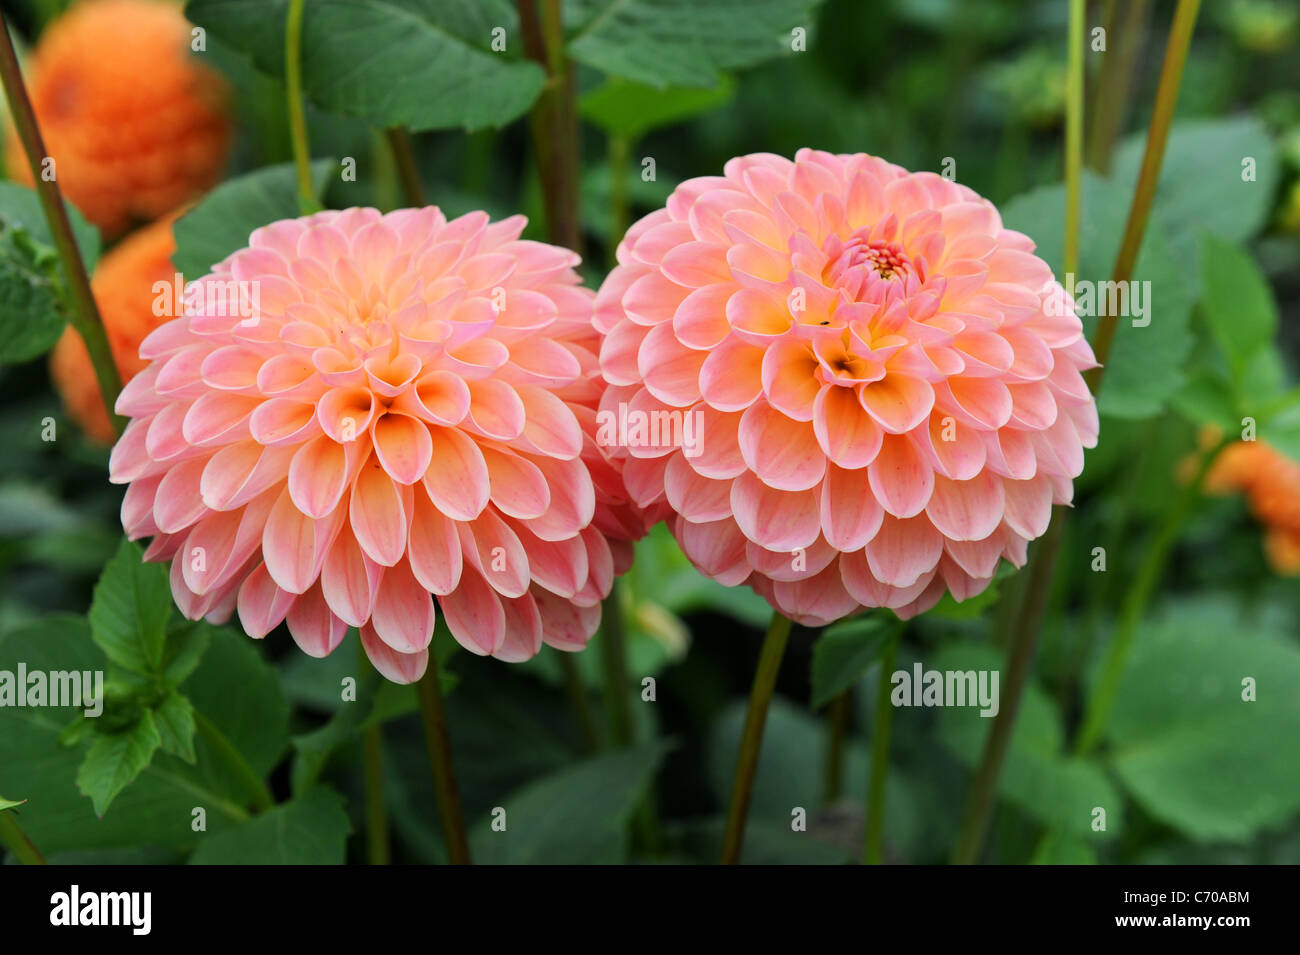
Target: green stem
x,y
83,312
1020,658
837,720
444,773
620,148
1113,79
399,140
613,656
577,694
377,844
751,740
1162,116
253,784
15,840
1073,135
554,120
307,201
378,850
1102,698
874,839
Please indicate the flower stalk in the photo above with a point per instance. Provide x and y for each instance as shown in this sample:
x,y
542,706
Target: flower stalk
x,y
16,841
83,313
440,761
874,838
751,740
307,201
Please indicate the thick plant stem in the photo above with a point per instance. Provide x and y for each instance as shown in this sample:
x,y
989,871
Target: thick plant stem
x,y
577,693
837,720
444,773
378,850
1096,713
1162,115
620,149
751,740
1114,77
613,657
258,794
1020,657
1073,136
554,120
83,312
873,840
307,201
399,141
377,844
15,840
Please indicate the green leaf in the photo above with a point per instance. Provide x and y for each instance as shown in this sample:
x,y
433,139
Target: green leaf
x,y
1058,790
311,829
391,62
1241,312
155,810
240,693
184,649
1184,741
130,609
7,804
1201,180
223,221
666,43
844,653
115,759
1145,367
32,316
578,815
1059,850
174,717
624,108
20,208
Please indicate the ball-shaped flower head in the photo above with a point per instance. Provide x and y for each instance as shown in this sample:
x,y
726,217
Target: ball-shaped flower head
x,y
136,124
359,412
884,383
126,288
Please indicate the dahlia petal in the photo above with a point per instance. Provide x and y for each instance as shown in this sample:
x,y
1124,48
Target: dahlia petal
x,y
313,627
900,478
403,616
261,603
396,667
403,447
318,476
349,580
494,550
848,435
458,483
903,550
898,402
523,637
778,520
781,451
966,510
474,614
378,510
850,516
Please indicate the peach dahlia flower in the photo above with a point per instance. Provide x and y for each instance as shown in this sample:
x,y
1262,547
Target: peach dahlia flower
x,y
884,382
360,412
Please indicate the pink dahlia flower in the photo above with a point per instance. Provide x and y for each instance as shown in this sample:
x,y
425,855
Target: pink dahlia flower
x,y
868,391
358,413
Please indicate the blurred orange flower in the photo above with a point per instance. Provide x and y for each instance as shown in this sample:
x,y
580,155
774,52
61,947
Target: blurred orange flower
x,y
1271,482
124,290
135,124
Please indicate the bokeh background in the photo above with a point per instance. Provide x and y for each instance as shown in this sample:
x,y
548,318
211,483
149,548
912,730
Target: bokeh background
x,y
1188,772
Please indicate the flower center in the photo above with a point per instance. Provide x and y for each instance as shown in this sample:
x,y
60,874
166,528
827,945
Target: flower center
x,y
862,259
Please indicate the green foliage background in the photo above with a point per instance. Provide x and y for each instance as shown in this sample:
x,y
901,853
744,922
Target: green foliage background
x,y
1187,771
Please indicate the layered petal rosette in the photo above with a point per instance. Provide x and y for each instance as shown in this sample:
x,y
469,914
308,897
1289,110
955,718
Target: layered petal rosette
x,y
884,384
358,414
